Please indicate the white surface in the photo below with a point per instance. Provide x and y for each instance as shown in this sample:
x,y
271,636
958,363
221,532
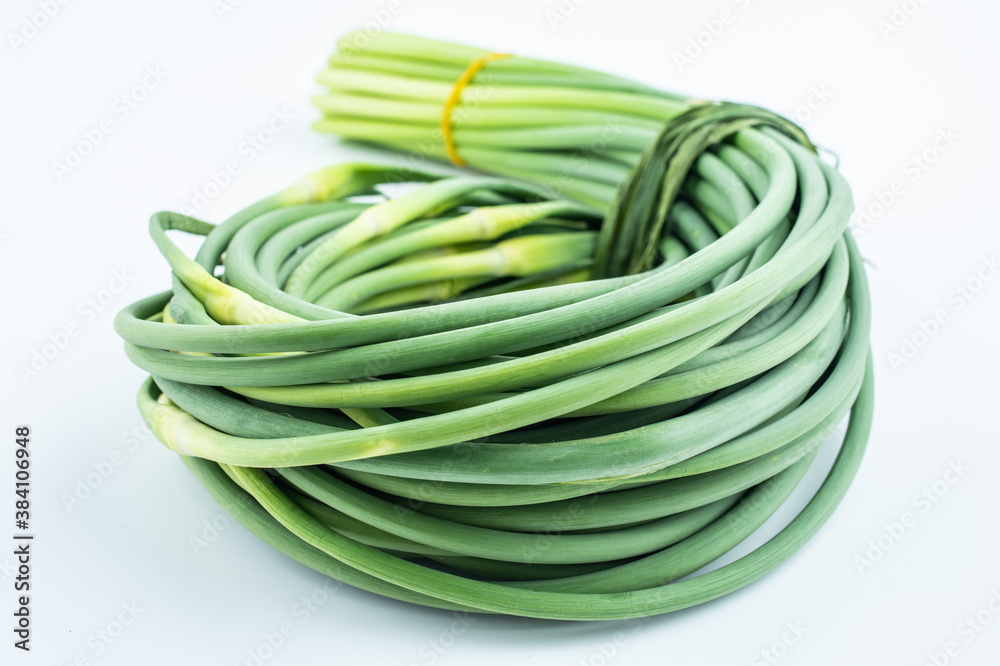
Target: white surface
x,y
888,97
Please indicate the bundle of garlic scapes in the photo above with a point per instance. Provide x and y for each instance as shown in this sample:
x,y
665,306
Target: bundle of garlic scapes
x,y
555,392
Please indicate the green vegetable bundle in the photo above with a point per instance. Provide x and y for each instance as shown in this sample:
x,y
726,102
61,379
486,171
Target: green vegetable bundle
x,y
556,392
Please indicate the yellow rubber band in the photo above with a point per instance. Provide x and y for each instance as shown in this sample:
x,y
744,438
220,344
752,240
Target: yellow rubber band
x,y
452,101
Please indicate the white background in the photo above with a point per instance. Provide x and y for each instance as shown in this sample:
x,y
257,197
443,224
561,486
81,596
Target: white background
x,y
880,98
